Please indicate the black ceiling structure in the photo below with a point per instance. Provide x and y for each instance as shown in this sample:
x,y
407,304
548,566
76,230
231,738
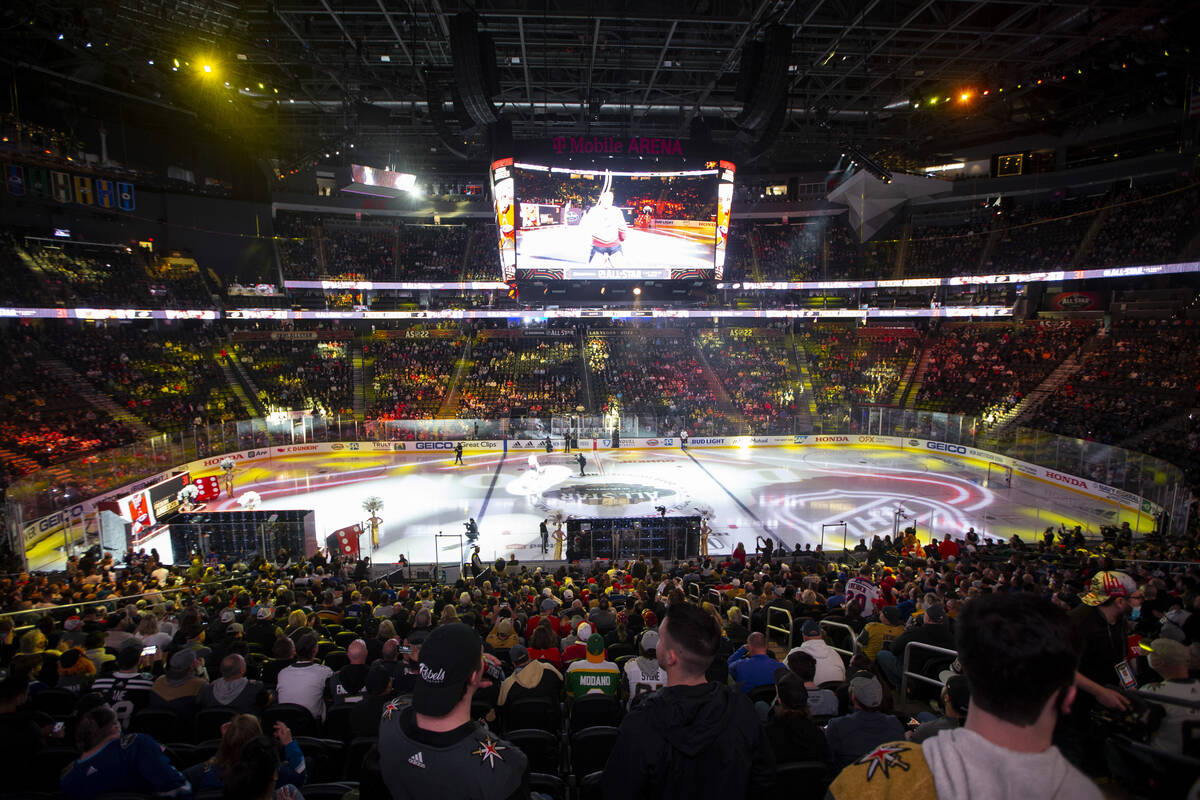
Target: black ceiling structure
x,y
309,75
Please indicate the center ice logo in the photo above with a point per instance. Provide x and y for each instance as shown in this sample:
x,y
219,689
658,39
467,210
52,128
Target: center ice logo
x,y
609,494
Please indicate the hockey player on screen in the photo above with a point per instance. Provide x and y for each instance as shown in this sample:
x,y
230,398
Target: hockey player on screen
x,y
605,224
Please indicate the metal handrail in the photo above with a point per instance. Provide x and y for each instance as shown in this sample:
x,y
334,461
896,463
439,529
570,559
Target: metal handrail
x,y
905,674
1155,697
787,615
117,602
853,637
742,600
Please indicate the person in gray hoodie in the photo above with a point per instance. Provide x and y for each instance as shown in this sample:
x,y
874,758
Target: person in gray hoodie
x,y
234,690
1019,655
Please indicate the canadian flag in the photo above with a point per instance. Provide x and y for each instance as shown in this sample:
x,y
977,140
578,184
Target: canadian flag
x,y
345,541
209,486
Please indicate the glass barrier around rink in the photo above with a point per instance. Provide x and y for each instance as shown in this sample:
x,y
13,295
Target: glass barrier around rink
x,y
65,485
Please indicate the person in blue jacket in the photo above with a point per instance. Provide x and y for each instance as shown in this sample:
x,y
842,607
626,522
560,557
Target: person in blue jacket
x,y
111,762
751,665
213,773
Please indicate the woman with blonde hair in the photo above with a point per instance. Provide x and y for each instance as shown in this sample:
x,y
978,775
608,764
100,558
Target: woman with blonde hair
x,y
449,615
235,734
296,621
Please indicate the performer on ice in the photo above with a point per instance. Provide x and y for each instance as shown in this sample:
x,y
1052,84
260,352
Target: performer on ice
x,y
534,466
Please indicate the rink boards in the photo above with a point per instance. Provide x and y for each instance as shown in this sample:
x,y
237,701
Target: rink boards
x,y
55,524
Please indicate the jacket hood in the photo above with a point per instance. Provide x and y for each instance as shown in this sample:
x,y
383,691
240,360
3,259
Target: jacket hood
x,y
691,717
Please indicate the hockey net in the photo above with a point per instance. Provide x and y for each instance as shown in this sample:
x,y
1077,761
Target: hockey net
x,y
999,476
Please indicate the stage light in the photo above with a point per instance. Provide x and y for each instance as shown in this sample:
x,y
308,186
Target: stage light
x,y
964,97
207,68
151,62
637,290
60,37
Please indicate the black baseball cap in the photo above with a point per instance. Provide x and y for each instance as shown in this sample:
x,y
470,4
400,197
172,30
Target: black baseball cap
x,y
449,657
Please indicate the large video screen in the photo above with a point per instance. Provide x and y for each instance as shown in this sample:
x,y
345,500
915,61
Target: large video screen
x,y
572,224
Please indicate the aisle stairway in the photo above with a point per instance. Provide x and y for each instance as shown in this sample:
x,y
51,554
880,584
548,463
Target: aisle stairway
x,y
909,398
802,417
98,400
906,377
359,389
244,389
1030,402
449,408
808,399
585,384
720,392
23,464
989,247
1085,247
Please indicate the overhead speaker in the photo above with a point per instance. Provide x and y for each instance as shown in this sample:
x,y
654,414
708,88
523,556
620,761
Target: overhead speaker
x,y
748,71
770,83
754,143
500,138
435,101
475,74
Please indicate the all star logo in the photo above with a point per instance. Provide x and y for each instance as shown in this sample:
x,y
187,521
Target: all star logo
x,y
391,708
489,751
609,494
417,760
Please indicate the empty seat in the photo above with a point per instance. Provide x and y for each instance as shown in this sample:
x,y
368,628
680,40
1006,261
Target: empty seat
x,y
532,712
163,725
323,758
540,747
595,709
210,720
804,779
590,749
298,719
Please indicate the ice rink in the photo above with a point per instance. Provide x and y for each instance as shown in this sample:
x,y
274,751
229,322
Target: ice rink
x,y
563,247
786,492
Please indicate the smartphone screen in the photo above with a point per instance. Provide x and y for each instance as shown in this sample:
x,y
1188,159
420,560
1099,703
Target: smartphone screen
x,y
151,650
1126,675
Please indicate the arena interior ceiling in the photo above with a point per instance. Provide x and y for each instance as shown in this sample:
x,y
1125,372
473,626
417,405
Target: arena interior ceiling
x,y
901,77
